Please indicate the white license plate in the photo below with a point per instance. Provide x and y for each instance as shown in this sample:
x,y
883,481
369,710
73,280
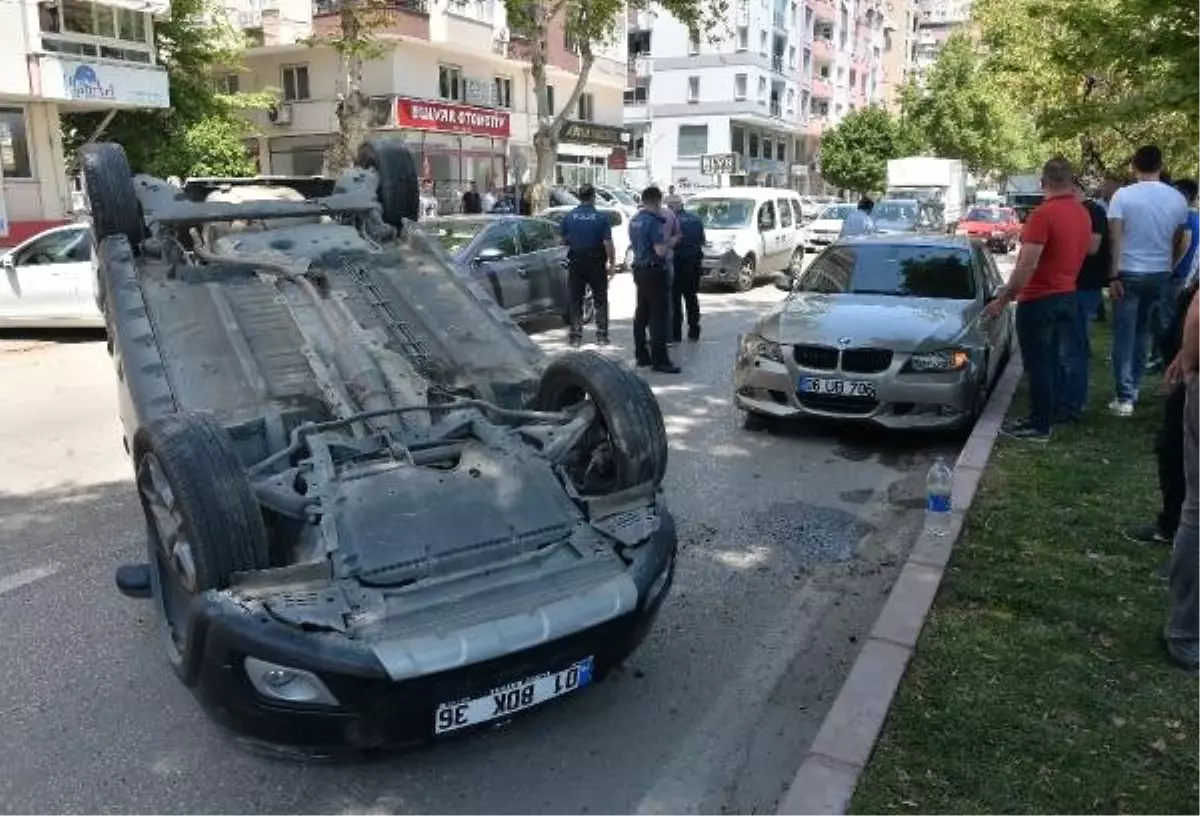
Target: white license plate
x,y
836,387
508,700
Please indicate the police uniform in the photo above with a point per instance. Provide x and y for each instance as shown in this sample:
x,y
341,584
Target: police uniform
x,y
688,256
646,229
585,230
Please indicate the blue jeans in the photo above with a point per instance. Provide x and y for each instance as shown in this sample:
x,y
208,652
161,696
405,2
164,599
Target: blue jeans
x,y
1075,378
1164,315
1131,330
1045,330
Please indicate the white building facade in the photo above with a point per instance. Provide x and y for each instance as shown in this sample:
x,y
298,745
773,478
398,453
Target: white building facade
x,y
788,70
57,57
939,19
453,81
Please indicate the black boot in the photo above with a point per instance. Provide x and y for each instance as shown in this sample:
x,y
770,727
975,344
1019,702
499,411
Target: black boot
x,y
694,332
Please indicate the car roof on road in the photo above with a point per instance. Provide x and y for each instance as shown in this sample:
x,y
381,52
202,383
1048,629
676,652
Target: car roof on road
x,y
908,239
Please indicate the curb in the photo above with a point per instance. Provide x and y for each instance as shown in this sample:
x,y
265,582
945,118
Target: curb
x,y
830,771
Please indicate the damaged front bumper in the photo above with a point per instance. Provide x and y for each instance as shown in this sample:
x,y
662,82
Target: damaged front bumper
x,y
378,685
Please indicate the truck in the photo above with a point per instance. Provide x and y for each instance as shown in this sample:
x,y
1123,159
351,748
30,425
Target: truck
x,y
1022,192
940,183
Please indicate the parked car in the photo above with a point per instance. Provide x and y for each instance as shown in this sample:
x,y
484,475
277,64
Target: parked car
x,y
47,281
885,330
376,512
998,227
827,227
618,217
618,197
521,260
900,216
753,233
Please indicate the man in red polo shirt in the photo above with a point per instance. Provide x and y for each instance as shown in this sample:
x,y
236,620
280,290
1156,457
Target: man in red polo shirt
x,y
1054,243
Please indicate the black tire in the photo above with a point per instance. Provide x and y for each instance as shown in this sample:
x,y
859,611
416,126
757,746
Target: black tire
x,y
211,507
756,423
629,414
747,275
108,183
399,193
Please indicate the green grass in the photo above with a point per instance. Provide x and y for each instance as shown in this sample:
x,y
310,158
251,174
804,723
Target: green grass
x,y
1040,683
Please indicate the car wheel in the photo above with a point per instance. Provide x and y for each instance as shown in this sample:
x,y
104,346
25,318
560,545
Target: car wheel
x,y
108,182
626,444
203,522
747,274
399,193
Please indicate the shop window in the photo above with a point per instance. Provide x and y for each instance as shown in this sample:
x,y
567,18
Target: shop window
x,y
781,151
295,83
14,144
693,89
739,86
768,147
693,140
587,108
503,92
450,83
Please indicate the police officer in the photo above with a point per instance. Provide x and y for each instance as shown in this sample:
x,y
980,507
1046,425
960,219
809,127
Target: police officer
x,y
588,235
650,244
686,282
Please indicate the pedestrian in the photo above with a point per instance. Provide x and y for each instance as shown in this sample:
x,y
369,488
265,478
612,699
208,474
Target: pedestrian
x,y
1147,222
472,204
1182,631
490,197
686,281
859,222
672,201
648,240
1054,242
428,200
1102,197
1089,295
590,257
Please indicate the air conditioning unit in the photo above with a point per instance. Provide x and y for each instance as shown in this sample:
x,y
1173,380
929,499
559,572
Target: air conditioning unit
x,y
280,114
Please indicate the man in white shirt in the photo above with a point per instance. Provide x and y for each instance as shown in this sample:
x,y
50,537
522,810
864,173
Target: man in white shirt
x,y
859,222
1147,223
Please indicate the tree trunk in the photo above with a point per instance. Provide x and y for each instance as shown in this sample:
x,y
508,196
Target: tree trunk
x,y
352,105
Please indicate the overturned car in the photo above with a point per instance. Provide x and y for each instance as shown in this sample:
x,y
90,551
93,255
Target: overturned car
x,y
376,513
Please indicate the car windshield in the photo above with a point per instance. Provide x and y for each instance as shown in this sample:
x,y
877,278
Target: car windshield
x,y
554,215
836,212
621,196
724,213
901,270
895,211
454,234
985,215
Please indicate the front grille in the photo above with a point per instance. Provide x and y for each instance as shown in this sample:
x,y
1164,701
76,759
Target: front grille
x,y
838,405
866,360
822,358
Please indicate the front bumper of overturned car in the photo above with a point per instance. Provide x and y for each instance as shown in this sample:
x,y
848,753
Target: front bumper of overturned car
x,y
720,268
373,710
936,400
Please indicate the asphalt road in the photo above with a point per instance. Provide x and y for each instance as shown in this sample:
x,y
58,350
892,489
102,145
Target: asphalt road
x,y
789,542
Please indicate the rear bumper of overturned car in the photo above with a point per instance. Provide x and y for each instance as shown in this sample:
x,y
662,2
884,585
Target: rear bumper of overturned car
x,y
934,401
372,709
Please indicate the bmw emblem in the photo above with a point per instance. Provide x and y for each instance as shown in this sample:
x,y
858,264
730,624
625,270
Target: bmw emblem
x,y
844,341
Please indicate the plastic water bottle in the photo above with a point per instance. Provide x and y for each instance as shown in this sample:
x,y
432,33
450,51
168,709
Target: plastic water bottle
x,y
938,486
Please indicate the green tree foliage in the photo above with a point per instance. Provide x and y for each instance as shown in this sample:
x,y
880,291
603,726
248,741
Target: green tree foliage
x,y
855,153
962,113
1100,77
202,132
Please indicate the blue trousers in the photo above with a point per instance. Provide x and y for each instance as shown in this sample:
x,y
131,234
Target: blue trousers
x,y
1079,353
1045,330
1132,330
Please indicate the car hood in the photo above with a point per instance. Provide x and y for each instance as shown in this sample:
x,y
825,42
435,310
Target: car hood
x,y
981,226
826,225
901,324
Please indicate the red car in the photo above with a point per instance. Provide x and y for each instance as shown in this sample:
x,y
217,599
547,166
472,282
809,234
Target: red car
x,y
998,227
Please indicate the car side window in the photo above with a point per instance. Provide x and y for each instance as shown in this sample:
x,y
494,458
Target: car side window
x,y
503,237
766,216
987,269
785,213
538,235
797,211
67,246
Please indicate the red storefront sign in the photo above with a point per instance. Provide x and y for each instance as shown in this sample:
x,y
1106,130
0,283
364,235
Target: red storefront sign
x,y
618,160
450,117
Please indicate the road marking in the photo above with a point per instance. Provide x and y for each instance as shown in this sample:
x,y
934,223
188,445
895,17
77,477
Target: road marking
x,y
20,579
710,754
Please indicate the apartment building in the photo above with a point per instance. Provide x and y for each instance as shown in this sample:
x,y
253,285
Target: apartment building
x,y
939,19
901,31
57,57
453,81
765,93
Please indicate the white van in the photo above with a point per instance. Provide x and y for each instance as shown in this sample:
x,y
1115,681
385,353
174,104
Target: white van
x,y
753,233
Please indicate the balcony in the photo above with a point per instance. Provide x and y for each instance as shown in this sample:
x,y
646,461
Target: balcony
x,y
86,83
406,17
821,87
777,63
823,50
776,109
824,9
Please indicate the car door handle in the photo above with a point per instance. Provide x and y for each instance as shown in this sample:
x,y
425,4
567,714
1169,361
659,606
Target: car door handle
x,y
523,271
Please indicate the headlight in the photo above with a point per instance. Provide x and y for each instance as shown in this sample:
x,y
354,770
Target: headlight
x,y
754,346
947,360
289,685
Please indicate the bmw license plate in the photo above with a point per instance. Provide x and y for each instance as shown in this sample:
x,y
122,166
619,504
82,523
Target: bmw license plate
x,y
509,699
834,387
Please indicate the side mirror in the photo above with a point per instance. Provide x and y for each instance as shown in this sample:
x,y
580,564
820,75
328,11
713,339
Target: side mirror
x,y
490,255
7,262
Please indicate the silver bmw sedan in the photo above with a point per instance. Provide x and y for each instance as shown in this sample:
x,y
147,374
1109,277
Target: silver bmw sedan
x,y
888,330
